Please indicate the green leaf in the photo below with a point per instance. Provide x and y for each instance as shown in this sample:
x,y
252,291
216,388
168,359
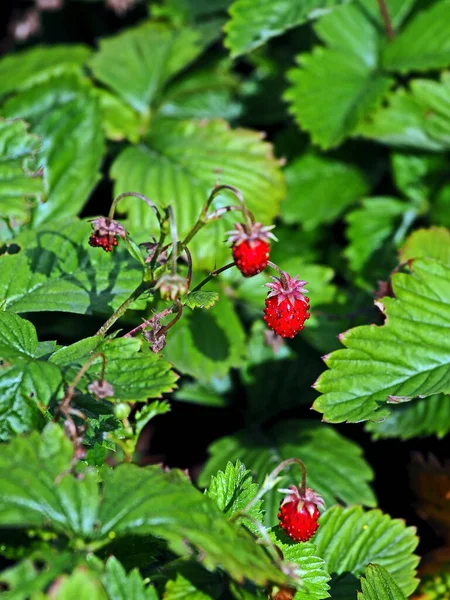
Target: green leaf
x,y
310,568
123,586
415,118
135,373
232,490
371,371
120,122
210,394
183,588
369,226
253,22
18,183
138,62
206,344
26,383
417,174
149,412
427,243
80,585
419,418
202,94
435,586
33,66
335,87
424,43
57,270
325,184
141,501
60,109
179,164
348,539
378,584
200,299
336,469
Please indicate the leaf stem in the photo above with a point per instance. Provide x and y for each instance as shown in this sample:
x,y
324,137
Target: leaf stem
x,y
212,275
386,19
116,201
141,288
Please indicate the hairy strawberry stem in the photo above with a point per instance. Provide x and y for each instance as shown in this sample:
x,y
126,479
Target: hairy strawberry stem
x,y
204,218
174,238
141,288
71,389
147,323
212,275
166,328
116,201
280,273
189,262
386,19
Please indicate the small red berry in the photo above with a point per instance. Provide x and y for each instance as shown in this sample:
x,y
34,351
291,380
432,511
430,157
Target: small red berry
x,y
299,513
105,232
286,306
250,247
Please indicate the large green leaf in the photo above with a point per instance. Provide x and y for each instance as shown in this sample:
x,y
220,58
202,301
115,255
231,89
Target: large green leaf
x,y
418,418
418,175
64,112
378,584
138,62
207,343
325,184
57,270
135,373
253,22
371,370
424,43
350,538
26,382
131,500
336,86
179,164
34,65
415,118
18,149
427,243
80,585
369,226
335,466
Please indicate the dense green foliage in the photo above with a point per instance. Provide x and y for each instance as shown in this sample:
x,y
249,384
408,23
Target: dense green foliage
x,y
326,118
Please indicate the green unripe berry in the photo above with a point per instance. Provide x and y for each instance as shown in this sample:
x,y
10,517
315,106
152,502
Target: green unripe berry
x,y
122,410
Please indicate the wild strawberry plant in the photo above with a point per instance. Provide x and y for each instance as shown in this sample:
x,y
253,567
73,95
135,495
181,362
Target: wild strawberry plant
x,y
170,281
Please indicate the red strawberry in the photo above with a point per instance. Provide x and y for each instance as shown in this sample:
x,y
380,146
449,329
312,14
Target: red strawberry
x,y
286,306
250,247
299,513
105,232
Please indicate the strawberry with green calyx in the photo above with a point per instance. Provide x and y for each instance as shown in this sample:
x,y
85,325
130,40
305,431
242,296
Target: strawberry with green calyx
x,y
286,305
250,247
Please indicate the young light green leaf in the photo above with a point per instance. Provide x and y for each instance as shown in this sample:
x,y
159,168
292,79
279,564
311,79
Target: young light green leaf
x,y
57,270
424,44
149,412
19,181
119,120
417,174
121,585
183,588
378,584
27,383
427,243
200,299
253,22
327,185
310,568
133,500
179,164
369,226
80,585
336,469
334,88
415,118
232,490
417,319
138,62
33,66
206,344
59,109
348,539
419,418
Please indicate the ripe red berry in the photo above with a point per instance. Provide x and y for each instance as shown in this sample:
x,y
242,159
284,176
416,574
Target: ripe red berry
x,y
286,306
299,513
105,232
103,241
250,247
